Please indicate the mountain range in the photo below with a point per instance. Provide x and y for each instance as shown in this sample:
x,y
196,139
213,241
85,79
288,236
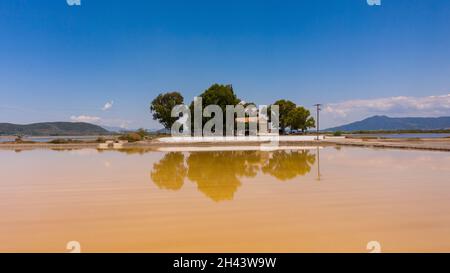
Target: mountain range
x,y
375,123
384,123
52,129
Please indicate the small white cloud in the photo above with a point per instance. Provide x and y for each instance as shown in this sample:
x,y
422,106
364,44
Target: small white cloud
x,y
335,114
108,105
84,118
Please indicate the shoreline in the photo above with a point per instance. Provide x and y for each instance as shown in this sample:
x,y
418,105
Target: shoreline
x,y
435,144
428,144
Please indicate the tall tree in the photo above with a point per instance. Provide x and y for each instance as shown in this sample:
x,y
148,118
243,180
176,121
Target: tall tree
x,y
285,106
221,95
300,118
217,94
162,106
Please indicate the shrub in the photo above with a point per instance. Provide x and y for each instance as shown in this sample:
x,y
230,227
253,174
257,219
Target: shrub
x,y
64,141
131,137
337,133
100,139
59,141
142,132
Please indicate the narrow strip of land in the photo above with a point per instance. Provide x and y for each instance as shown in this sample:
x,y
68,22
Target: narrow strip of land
x,y
435,144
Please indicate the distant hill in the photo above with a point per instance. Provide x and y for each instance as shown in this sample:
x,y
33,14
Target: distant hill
x,y
378,123
52,129
161,131
113,129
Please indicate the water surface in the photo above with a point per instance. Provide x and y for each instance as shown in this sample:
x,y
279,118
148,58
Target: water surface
x,y
231,201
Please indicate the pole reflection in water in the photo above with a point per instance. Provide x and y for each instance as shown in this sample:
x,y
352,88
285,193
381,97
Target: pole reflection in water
x,y
318,162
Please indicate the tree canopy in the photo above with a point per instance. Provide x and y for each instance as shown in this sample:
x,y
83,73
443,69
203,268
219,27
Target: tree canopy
x,y
285,106
217,94
299,119
162,105
221,95
290,115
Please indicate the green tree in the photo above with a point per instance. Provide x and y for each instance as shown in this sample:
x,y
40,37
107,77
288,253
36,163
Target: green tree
x,y
162,106
285,106
221,95
299,119
217,94
310,123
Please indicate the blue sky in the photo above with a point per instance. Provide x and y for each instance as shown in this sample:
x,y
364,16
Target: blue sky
x,y
62,63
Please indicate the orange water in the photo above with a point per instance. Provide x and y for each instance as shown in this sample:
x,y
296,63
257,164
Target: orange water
x,y
138,201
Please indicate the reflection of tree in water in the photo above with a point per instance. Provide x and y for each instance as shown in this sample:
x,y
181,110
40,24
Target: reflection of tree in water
x,y
217,174
287,165
169,172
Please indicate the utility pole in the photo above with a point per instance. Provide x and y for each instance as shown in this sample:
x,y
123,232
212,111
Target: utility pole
x,y
318,110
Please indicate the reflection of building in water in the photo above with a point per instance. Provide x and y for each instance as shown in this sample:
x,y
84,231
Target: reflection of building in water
x,y
218,174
